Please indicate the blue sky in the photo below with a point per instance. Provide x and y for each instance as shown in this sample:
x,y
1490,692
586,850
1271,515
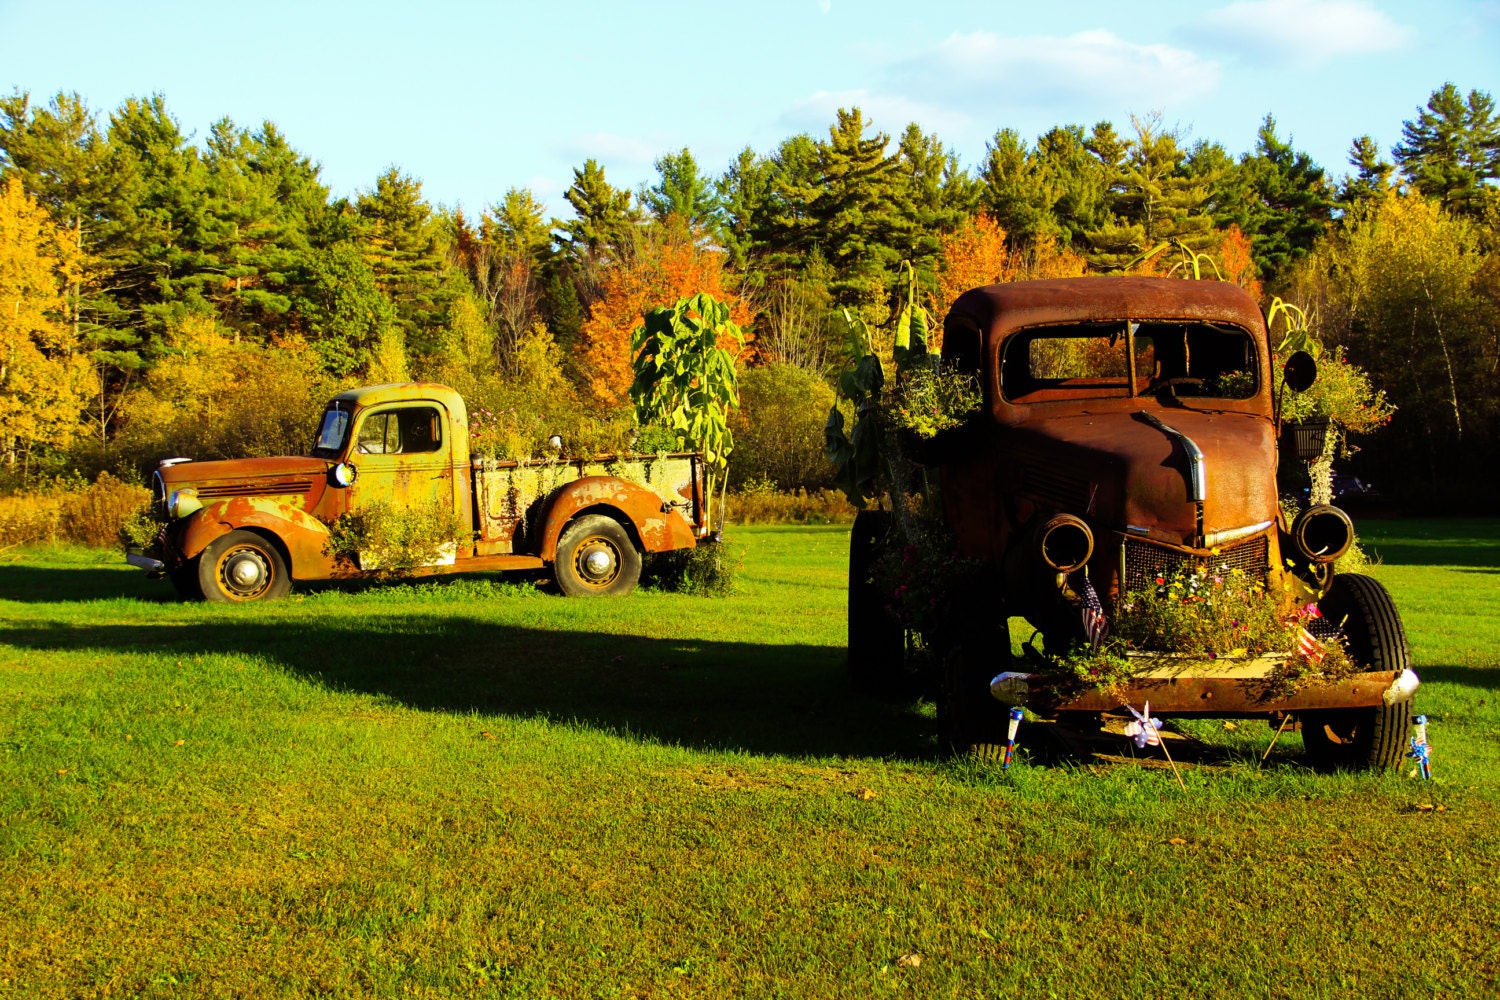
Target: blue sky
x,y
474,98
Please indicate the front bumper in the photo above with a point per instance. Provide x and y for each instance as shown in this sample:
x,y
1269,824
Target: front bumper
x,y
1190,686
145,562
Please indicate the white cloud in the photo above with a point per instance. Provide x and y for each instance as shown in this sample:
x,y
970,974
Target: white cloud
x,y
824,6
1303,32
1087,70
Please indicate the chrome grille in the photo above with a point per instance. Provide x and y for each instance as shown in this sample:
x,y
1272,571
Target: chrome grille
x,y
1144,562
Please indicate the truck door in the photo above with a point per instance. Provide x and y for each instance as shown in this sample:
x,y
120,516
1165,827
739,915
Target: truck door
x,y
404,458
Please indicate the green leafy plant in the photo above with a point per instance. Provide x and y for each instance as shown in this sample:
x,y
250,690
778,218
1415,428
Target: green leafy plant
x,y
396,539
707,570
685,379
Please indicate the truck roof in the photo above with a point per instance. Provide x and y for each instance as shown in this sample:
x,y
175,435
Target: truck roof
x,y
397,392
996,310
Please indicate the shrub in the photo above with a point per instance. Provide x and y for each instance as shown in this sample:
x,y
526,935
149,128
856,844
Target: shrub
x,y
707,570
778,429
72,511
399,539
759,502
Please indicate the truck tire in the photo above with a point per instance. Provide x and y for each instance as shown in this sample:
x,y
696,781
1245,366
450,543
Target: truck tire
x,y
595,557
185,581
877,640
241,567
971,723
1360,738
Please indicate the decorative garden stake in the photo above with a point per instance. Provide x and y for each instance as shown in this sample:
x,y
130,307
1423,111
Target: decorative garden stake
x,y
1420,751
1146,731
1010,736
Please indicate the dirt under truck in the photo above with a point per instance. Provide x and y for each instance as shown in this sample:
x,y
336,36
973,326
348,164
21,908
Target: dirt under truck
x,y
244,530
1129,431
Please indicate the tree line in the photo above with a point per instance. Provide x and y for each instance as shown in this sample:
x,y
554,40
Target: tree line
x,y
204,298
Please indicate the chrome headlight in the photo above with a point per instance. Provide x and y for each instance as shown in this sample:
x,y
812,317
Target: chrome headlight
x,y
182,503
344,474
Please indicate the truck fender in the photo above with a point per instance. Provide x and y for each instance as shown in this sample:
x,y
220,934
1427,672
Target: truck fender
x,y
303,538
638,508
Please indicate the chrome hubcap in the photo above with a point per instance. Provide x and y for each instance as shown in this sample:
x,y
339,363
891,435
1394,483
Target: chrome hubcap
x,y
245,572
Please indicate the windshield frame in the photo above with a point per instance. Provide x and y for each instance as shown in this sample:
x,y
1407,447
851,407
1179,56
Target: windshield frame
x,y
319,449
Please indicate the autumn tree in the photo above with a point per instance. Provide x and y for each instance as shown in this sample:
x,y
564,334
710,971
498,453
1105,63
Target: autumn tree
x,y
43,382
672,263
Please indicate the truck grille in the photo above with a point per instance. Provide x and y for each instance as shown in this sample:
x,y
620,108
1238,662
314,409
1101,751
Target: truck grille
x,y
285,488
1061,491
1144,562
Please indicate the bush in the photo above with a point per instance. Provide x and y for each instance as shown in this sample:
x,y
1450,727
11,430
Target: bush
x,y
72,511
759,502
778,429
706,571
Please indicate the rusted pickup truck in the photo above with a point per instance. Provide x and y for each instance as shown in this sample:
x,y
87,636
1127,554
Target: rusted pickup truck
x,y
1129,429
243,530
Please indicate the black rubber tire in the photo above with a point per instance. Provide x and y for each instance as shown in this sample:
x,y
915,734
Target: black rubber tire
x,y
242,567
1362,738
971,723
877,639
185,581
596,558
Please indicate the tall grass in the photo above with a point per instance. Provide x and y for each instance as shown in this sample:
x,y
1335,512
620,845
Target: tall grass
x,y
70,511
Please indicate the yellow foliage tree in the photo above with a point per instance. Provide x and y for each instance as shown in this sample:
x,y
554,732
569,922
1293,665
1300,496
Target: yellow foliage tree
x,y
43,382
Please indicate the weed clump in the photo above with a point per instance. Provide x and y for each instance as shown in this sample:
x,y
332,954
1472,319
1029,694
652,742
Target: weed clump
x,y
705,571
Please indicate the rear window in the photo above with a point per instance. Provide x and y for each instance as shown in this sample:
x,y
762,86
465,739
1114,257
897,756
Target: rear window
x,y
1104,360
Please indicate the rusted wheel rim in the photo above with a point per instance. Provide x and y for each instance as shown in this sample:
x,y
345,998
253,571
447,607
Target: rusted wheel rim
x,y
245,573
596,562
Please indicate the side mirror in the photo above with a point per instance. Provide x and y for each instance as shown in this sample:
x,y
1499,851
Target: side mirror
x,y
1299,372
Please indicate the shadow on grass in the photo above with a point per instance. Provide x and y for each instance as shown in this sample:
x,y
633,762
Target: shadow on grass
x,y
33,584
1474,677
791,700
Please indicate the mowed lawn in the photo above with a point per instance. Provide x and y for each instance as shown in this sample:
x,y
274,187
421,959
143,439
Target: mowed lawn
x,y
477,788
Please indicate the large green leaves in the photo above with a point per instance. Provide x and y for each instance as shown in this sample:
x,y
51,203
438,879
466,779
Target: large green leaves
x,y
683,379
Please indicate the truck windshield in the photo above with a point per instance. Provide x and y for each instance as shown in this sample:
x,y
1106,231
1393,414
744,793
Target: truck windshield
x,y
1096,360
331,435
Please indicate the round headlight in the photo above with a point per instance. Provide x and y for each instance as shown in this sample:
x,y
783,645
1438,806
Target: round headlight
x,y
182,503
344,474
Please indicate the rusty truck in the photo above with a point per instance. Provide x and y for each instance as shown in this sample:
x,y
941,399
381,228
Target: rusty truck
x,y
244,530
1129,429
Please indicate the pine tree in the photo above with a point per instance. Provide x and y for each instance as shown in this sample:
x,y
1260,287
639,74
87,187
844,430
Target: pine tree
x,y
1372,174
1279,197
1452,149
683,191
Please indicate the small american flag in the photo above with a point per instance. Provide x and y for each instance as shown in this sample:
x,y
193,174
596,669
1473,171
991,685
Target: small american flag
x,y
1308,646
1095,625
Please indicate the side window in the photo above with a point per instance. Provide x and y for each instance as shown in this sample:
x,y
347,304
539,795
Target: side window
x,y
410,430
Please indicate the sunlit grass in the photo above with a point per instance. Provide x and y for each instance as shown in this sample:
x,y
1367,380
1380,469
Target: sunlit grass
x,y
477,788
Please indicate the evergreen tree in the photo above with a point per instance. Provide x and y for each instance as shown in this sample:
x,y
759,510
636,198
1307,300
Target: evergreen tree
x,y
1279,197
744,192
683,191
1161,198
400,237
1372,174
1452,149
1010,191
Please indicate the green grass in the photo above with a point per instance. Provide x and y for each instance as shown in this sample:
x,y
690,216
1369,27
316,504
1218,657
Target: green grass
x,y
476,788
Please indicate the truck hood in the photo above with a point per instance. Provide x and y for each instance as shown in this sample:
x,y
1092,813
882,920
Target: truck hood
x,y
286,476
1127,473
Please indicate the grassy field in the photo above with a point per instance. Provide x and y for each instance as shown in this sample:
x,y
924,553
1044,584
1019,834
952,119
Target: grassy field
x,y
476,788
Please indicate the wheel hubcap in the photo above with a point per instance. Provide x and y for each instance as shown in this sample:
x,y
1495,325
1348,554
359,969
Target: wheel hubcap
x,y
598,563
246,572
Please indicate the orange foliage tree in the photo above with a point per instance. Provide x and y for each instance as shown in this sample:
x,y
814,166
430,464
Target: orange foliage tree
x,y
672,263
1239,266
978,253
